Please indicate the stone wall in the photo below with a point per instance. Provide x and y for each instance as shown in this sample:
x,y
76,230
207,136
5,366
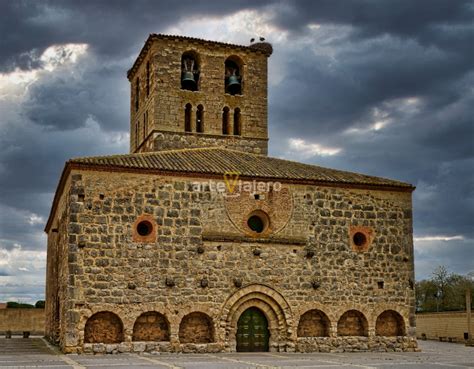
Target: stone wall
x,y
59,271
20,320
205,261
452,324
163,109
171,140
356,344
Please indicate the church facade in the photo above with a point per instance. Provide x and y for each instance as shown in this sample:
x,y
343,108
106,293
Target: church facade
x,y
197,241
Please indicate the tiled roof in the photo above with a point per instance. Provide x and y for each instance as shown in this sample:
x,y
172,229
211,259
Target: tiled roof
x,y
217,161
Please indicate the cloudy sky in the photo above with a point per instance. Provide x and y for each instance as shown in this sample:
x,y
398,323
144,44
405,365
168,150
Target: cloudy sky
x,y
381,87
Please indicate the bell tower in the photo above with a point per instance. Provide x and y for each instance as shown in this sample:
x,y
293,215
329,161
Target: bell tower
x,y
188,93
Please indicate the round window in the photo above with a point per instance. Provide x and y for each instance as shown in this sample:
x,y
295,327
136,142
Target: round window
x,y
256,223
359,239
144,228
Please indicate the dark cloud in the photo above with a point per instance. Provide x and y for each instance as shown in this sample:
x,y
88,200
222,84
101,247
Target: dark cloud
x,y
31,172
341,88
361,67
112,29
407,64
66,99
369,18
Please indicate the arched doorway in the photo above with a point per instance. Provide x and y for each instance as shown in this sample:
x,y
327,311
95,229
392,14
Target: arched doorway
x,y
252,331
271,303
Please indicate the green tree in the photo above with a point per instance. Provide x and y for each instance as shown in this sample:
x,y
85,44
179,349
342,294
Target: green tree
x,y
18,305
456,292
40,304
444,291
426,296
440,279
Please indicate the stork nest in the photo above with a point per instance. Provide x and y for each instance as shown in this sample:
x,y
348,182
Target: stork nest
x,y
264,47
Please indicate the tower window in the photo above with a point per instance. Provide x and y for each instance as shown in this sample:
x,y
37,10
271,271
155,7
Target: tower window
x,y
187,118
190,71
145,124
233,75
200,119
237,123
148,78
137,93
225,121
136,134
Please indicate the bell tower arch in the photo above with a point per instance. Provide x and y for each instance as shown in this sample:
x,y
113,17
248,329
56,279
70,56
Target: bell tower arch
x,y
180,87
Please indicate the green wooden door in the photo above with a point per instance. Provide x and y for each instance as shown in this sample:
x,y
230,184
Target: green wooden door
x,y
252,331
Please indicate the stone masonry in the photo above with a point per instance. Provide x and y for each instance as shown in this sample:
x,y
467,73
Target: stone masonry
x,y
147,253
107,271
158,107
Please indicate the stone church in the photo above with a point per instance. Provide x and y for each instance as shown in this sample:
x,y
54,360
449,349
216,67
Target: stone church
x,y
197,241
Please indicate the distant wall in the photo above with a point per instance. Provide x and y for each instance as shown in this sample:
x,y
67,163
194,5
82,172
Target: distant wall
x,y
19,320
446,324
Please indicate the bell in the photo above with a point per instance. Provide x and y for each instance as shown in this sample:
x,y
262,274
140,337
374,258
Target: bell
x,y
233,85
187,81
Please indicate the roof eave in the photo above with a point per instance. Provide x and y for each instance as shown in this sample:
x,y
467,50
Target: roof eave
x,y
406,187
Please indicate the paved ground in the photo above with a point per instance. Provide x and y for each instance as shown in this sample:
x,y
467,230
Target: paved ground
x,y
35,353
